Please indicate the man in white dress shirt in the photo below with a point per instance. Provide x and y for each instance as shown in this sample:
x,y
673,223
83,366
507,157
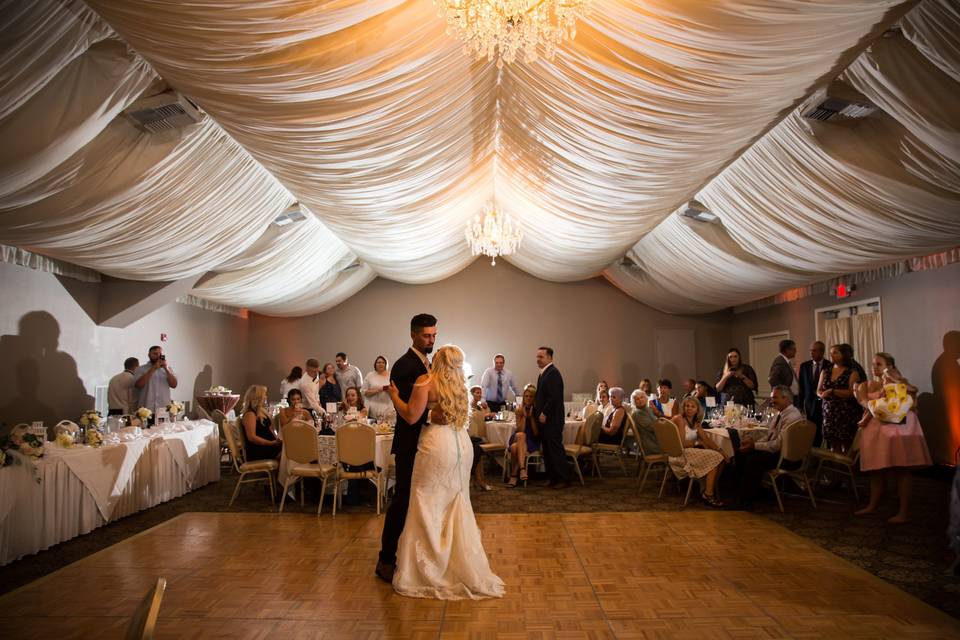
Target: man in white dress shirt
x,y
497,382
310,386
122,393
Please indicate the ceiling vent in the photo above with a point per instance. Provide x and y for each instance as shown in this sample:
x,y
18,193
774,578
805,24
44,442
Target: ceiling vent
x,y
163,112
290,216
831,109
698,211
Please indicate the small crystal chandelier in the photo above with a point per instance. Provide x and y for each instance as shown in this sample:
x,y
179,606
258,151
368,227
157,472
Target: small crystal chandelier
x,y
493,235
504,28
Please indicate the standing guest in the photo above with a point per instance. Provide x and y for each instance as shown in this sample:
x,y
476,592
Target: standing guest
x,y
376,387
603,403
737,382
294,409
496,382
689,388
807,380
406,370
548,406
154,380
346,374
892,441
611,431
122,391
261,440
643,419
856,366
526,439
310,385
330,390
663,405
292,381
697,462
756,456
782,373
477,404
841,411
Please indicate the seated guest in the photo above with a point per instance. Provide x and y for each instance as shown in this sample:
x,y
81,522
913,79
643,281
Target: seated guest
x,y
689,388
601,386
526,439
122,393
892,442
477,403
703,392
603,403
663,405
292,381
262,442
756,456
352,406
643,419
329,387
611,431
295,409
697,462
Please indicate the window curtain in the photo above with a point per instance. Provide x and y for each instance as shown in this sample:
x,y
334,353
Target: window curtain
x,y
867,337
837,331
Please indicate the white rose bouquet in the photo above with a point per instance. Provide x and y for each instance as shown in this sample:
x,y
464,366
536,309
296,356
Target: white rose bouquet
x,y
144,414
90,418
175,409
65,439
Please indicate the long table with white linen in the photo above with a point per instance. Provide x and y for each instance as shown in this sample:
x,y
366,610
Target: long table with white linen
x,y
70,492
500,432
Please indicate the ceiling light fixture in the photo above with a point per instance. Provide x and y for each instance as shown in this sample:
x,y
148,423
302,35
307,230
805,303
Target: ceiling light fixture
x,y
502,29
493,235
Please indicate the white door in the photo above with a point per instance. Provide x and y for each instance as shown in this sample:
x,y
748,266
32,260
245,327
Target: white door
x,y
676,356
763,349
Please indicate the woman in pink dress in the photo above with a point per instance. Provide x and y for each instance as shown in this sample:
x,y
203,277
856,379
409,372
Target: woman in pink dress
x,y
892,441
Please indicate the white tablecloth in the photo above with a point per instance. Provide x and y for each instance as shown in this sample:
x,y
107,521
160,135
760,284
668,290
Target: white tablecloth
x,y
721,436
500,432
70,492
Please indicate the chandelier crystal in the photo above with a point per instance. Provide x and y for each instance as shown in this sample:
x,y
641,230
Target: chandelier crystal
x,y
493,235
503,29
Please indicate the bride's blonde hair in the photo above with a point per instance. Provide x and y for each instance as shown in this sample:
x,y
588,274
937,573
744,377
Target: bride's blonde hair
x,y
451,386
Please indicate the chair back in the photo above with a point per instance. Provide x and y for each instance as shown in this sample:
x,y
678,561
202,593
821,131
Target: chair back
x,y
477,426
144,621
629,427
65,425
797,440
589,409
202,413
668,435
231,432
591,427
356,444
300,442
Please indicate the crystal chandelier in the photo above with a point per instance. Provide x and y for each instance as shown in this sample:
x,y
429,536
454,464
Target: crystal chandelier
x,y
506,28
493,235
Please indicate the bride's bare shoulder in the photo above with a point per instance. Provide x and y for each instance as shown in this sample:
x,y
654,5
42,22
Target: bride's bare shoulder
x,y
425,379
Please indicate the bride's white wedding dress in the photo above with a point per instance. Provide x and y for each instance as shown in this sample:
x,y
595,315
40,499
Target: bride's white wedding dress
x,y
440,553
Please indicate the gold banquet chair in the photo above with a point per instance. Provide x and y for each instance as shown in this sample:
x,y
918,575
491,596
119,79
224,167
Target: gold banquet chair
x,y
575,452
672,446
144,620
844,462
231,430
300,448
648,461
356,446
478,429
796,442
615,450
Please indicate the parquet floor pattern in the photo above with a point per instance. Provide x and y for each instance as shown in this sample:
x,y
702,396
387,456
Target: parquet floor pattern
x,y
694,574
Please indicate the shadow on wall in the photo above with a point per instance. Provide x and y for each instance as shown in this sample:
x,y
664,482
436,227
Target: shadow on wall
x,y
38,382
588,383
270,376
201,383
629,377
940,410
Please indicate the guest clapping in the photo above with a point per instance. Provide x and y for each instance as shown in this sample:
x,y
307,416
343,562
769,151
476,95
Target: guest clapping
x,y
526,439
707,462
376,387
611,431
262,442
663,405
737,382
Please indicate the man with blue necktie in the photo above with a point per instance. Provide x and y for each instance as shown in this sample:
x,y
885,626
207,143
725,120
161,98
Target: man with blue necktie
x,y
497,382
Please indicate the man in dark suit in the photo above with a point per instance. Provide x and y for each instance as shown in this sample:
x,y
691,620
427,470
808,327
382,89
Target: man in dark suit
x,y
549,409
782,373
808,380
406,370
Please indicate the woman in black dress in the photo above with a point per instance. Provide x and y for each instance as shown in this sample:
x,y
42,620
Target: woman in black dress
x,y
841,411
737,381
261,440
329,387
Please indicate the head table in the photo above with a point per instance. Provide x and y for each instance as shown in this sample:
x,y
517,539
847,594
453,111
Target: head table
x,y
70,492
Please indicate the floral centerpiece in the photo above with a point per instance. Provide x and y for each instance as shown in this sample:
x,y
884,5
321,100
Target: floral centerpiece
x,y
144,414
732,414
94,437
175,409
20,439
90,418
65,439
218,390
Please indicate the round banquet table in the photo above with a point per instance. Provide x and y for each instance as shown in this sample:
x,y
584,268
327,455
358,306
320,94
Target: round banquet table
x,y
500,432
218,402
721,437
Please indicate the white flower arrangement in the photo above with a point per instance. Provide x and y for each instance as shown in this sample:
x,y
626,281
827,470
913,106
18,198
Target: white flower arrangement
x,y
218,389
90,417
175,408
65,439
144,414
28,444
94,437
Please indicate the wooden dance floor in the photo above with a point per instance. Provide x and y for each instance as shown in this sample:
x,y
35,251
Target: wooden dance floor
x,y
602,575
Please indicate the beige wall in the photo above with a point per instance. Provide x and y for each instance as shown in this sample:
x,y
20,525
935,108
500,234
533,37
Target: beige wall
x,y
597,331
920,312
53,355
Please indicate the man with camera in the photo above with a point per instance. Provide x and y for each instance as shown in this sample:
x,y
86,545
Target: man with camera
x,y
154,380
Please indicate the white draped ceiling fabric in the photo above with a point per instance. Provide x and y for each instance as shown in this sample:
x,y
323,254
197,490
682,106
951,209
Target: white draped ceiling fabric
x,y
368,114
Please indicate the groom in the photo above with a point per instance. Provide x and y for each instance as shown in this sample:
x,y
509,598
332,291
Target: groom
x,y
406,370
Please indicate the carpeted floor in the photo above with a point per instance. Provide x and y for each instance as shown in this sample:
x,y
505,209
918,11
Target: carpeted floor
x,y
913,556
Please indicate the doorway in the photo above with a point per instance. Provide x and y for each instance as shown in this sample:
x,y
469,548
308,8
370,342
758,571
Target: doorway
x,y
764,348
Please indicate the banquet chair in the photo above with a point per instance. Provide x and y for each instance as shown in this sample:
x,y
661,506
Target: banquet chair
x,y
357,447
589,409
300,448
478,429
202,414
796,442
669,438
579,450
648,462
616,450
144,621
258,468
843,462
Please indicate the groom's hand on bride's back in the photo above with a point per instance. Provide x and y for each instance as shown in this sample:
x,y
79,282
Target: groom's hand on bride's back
x,y
543,418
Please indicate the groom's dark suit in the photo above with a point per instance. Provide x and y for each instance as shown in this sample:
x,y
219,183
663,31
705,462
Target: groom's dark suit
x,y
405,372
549,401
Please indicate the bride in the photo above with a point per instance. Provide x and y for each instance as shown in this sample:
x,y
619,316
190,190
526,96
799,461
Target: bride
x,y
440,554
